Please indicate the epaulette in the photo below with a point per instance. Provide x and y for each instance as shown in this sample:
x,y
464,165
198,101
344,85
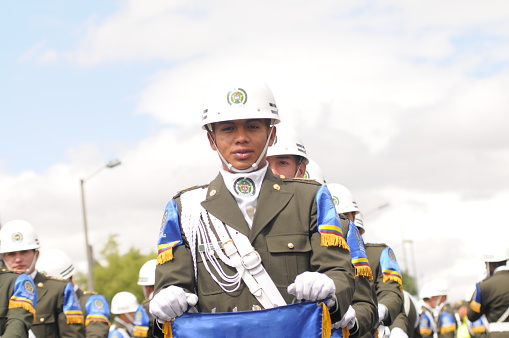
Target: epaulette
x,y
302,180
90,293
376,244
189,189
56,278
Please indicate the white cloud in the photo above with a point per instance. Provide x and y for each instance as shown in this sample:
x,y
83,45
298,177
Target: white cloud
x,y
382,94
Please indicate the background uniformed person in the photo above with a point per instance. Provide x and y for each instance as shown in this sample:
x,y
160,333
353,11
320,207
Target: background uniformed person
x,y
142,317
308,260
96,311
491,296
124,304
17,303
58,312
437,316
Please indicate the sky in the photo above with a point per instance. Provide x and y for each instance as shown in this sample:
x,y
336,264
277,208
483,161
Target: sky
x,y
402,102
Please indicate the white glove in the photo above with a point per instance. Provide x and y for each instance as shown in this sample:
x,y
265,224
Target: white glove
x,y
348,319
382,312
171,302
398,333
312,286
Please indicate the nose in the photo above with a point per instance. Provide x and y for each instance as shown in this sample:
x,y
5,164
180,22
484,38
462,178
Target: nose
x,y
240,135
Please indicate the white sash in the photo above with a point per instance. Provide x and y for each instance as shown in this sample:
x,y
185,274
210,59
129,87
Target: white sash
x,y
239,252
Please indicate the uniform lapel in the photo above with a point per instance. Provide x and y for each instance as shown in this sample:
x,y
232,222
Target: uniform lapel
x,y
39,281
273,198
220,203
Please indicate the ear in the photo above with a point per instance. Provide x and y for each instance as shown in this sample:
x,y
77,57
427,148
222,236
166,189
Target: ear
x,y
302,170
272,136
211,141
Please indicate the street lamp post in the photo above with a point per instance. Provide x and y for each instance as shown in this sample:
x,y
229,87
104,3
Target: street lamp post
x,y
90,257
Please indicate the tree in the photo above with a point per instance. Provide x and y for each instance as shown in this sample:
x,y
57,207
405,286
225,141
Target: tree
x,y
409,283
119,272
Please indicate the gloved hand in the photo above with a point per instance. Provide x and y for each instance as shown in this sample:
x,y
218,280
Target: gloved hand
x,y
313,286
171,302
382,312
398,333
348,319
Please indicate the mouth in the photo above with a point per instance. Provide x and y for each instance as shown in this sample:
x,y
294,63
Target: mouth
x,y
242,154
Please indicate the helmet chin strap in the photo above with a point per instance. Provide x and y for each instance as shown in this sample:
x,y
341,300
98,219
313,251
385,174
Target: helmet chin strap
x,y
254,166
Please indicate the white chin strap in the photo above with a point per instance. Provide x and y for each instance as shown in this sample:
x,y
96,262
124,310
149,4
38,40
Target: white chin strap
x,y
254,166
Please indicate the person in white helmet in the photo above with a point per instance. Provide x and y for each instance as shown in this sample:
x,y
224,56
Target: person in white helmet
x,y
18,299
491,297
142,318
382,260
246,212
437,316
57,263
58,312
287,156
123,305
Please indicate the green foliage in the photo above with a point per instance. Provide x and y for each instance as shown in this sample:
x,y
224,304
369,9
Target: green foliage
x,y
119,272
409,283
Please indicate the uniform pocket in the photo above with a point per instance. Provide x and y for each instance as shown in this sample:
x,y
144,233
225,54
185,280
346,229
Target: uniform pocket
x,y
288,256
45,325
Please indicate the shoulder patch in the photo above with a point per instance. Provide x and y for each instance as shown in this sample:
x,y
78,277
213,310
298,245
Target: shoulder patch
x,y
189,189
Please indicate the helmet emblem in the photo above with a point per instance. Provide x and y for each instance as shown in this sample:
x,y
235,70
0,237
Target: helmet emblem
x,y
237,96
335,200
17,237
244,186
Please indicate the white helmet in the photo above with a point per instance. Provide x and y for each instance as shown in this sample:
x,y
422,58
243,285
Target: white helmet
x,y
440,287
427,290
18,235
359,222
239,98
343,198
147,274
313,171
124,302
55,263
287,142
496,253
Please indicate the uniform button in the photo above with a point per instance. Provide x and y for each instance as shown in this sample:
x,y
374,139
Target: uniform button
x,y
41,320
276,187
40,284
213,192
282,177
291,246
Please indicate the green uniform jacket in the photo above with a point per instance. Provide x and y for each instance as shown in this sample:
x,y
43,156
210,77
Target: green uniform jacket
x,y
389,292
494,299
50,320
17,321
364,298
95,328
284,233
440,325
408,323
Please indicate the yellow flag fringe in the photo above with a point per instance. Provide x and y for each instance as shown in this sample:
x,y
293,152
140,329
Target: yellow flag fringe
x,y
346,333
165,256
333,240
326,322
167,330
